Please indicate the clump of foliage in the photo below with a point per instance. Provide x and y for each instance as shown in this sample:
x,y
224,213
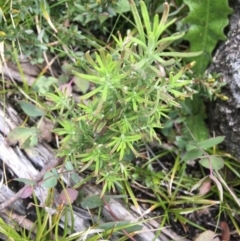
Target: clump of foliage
x,y
136,91
137,83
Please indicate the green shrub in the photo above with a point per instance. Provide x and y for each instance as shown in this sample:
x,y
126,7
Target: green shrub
x,y
138,82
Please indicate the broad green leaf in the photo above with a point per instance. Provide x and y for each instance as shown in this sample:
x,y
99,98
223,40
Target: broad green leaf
x,y
55,172
207,20
82,84
94,201
102,17
122,6
43,84
197,127
69,166
49,180
195,114
26,137
211,142
30,109
26,181
74,176
63,79
214,162
194,105
192,154
181,142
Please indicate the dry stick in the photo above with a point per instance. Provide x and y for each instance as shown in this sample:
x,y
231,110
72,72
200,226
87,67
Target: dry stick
x,y
21,220
117,219
53,163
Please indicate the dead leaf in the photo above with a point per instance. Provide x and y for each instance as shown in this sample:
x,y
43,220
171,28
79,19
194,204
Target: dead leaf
x,y
66,89
207,236
26,137
225,231
205,187
68,195
46,128
27,192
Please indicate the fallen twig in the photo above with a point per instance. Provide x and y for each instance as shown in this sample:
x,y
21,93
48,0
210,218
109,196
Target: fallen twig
x,y
39,176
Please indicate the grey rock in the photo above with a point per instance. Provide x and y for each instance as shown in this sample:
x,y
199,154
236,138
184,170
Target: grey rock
x,y
225,115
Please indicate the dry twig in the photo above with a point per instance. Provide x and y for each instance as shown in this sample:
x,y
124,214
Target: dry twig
x,y
39,176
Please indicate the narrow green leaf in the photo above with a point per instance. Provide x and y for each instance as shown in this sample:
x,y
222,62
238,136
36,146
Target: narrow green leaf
x,y
137,21
155,26
91,93
146,19
206,144
139,42
126,225
91,61
219,186
165,42
199,183
151,43
112,225
181,55
94,79
26,181
161,28
165,13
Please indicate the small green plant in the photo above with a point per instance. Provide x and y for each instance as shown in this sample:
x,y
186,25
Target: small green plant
x,y
137,83
137,93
